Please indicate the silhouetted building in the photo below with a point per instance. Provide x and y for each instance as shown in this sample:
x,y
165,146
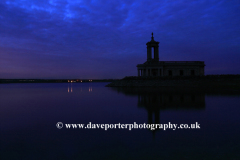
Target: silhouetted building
x,y
154,67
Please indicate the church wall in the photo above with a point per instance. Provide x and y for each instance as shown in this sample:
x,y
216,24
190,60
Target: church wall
x,y
186,70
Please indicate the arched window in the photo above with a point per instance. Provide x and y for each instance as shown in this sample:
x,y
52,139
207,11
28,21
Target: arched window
x,y
152,52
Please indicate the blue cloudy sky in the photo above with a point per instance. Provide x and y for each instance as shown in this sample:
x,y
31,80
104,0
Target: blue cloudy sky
x,y
107,38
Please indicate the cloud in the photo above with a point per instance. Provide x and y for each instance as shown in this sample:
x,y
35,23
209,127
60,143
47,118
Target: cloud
x,y
88,35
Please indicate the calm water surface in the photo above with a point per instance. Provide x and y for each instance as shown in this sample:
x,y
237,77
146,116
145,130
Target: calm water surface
x,y
29,113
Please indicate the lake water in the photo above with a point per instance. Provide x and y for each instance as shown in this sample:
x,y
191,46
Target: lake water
x,y
29,113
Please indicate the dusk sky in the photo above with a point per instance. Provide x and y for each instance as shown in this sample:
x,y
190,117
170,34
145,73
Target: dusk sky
x,y
107,39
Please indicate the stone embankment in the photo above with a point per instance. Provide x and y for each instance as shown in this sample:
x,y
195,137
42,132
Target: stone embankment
x,y
209,81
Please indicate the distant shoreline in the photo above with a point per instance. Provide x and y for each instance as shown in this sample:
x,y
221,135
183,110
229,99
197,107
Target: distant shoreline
x,y
208,81
55,80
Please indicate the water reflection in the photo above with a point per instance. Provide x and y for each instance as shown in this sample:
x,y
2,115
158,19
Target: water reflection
x,y
90,89
70,88
156,100
29,113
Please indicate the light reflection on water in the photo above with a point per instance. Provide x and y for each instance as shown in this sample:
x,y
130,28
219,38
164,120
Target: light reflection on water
x,y
29,113
90,89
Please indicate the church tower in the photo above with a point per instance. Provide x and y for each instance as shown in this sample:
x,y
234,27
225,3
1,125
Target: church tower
x,y
153,67
152,50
